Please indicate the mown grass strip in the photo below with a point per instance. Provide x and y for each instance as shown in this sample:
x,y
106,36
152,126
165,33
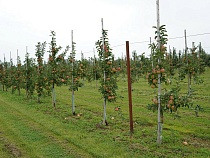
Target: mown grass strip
x,y
32,138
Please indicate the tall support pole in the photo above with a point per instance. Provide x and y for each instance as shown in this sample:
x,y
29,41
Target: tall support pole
x,y
104,115
4,58
18,67
129,88
82,56
122,62
170,61
94,63
187,62
27,72
17,57
179,58
82,76
199,53
72,68
185,41
151,53
10,58
11,64
159,130
4,69
53,87
194,61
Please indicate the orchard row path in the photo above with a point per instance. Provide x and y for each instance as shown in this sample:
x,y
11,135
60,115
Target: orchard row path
x,y
26,133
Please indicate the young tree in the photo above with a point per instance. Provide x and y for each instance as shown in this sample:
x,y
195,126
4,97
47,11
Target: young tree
x,y
29,75
41,79
96,70
135,71
169,100
54,59
4,75
139,66
1,75
17,76
156,77
109,79
89,65
76,70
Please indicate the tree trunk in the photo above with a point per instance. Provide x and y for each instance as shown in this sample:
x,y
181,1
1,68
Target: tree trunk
x,y
53,96
19,91
38,100
104,114
73,106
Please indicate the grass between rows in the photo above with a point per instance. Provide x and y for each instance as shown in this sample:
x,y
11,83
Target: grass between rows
x,y
28,129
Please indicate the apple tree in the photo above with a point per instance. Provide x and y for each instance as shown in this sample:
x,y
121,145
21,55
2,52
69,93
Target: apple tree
x,y
5,75
41,79
17,76
108,80
29,75
76,69
54,59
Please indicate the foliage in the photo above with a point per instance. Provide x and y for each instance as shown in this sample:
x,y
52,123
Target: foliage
x,y
29,76
17,76
41,79
109,78
54,59
5,75
165,69
193,65
76,69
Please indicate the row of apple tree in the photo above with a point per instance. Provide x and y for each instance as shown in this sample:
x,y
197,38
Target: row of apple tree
x,y
37,75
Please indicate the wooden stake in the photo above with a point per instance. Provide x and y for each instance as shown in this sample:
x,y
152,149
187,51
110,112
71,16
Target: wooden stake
x,y
129,88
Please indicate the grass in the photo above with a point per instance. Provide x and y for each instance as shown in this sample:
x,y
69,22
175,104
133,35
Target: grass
x,y
28,129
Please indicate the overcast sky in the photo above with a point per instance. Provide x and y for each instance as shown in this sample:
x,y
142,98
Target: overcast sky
x,y
26,22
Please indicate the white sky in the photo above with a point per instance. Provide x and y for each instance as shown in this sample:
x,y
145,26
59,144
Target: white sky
x,y
26,22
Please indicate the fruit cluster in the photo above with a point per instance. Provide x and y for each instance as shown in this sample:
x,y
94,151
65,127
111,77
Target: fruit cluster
x,y
152,76
109,84
171,103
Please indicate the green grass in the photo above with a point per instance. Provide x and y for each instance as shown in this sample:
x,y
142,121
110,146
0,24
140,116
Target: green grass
x,y
28,129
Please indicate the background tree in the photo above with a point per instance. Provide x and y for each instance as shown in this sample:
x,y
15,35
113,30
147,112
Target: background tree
x,y
1,73
76,71
4,75
17,76
41,78
156,77
54,59
89,69
96,70
29,75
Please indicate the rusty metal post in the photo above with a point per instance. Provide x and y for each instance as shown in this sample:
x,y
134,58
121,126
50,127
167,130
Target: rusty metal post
x,y
129,88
